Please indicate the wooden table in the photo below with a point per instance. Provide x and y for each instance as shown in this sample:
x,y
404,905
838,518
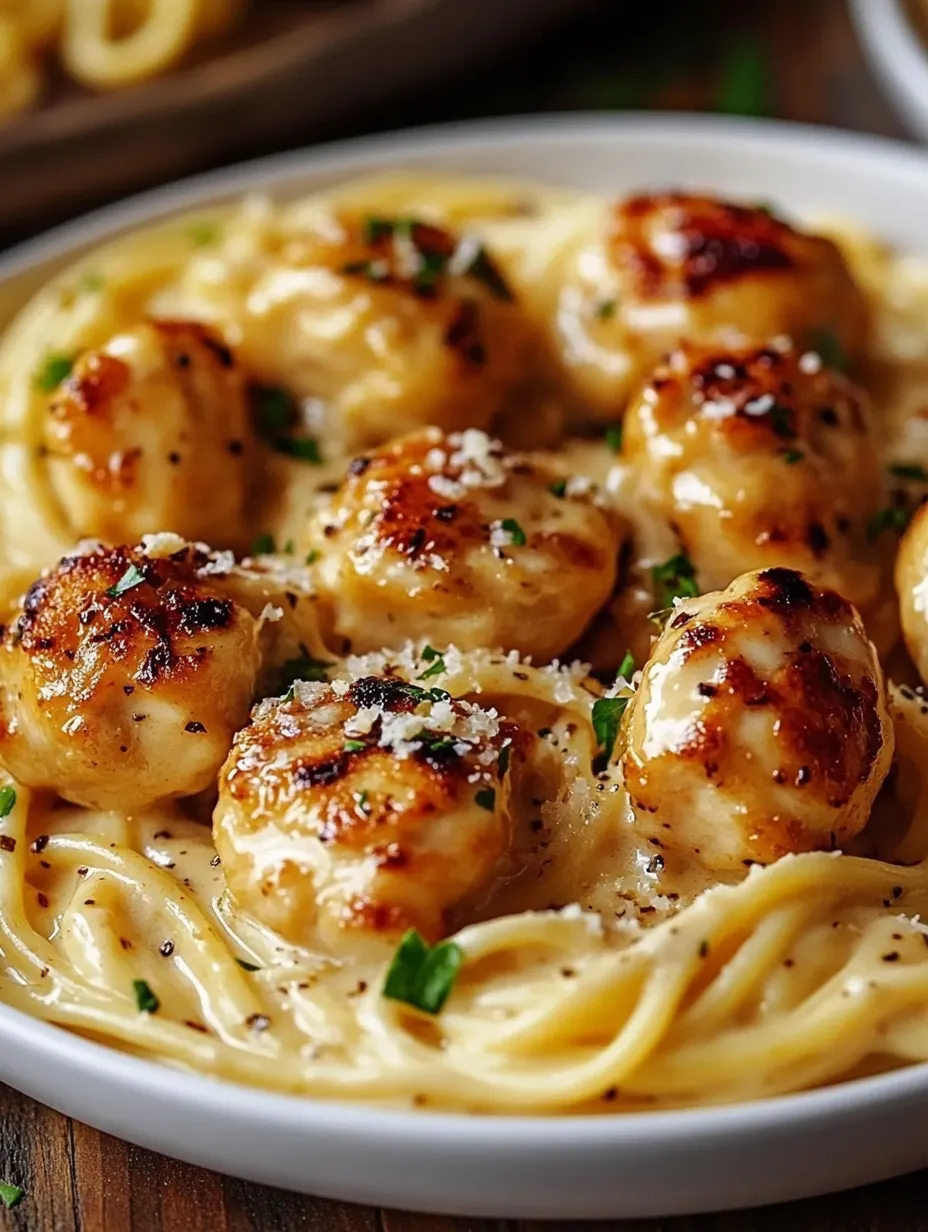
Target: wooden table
x,y
679,55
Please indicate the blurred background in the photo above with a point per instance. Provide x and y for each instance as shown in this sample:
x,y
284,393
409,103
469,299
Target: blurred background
x,y
94,107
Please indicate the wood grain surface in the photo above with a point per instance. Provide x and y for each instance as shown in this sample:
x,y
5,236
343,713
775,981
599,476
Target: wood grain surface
x,y
674,54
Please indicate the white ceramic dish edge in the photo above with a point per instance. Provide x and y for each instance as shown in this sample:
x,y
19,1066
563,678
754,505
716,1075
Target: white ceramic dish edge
x,y
897,56
650,1164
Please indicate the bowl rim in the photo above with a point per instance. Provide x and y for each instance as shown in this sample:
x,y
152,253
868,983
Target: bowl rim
x,y
58,1047
897,53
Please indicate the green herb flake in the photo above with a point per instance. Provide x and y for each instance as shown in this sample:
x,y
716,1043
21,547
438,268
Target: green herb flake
x,y
52,371
247,966
262,545
354,746
909,470
132,577
374,229
289,547
145,999
674,579
474,260
613,438
304,667
423,976
558,488
303,448
607,718
11,1195
792,456
437,660
7,800
275,409
893,518
312,556
486,798
827,345
627,666
90,283
515,532
202,234
605,310
360,800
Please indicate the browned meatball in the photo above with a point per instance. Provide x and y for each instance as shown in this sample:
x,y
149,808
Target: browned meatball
x,y
350,812
760,726
151,432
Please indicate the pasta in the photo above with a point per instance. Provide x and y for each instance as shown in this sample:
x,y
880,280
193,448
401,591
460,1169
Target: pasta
x,y
103,44
584,770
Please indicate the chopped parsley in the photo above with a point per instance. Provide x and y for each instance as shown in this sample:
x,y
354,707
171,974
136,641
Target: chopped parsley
x,y
827,345
276,413
145,999
893,517
247,966
514,531
289,547
11,1195
304,448
360,800
304,667
312,556
354,746
486,798
7,800
474,260
419,695
375,229
132,577
674,579
627,666
202,234
614,438
90,283
421,975
605,310
437,660
909,470
558,488
792,456
275,409
607,718
262,545
52,371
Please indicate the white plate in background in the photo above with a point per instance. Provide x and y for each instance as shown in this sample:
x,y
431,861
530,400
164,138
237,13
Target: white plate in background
x,y
569,1167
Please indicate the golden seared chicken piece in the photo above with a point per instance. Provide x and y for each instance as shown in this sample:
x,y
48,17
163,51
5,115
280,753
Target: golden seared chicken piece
x,y
673,265
912,587
451,539
760,456
151,432
760,726
124,679
349,813
390,323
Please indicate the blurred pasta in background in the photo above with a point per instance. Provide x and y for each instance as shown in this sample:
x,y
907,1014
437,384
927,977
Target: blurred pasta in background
x,y
103,44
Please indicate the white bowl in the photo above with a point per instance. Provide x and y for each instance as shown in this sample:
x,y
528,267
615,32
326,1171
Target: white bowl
x,y
898,57
634,1165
